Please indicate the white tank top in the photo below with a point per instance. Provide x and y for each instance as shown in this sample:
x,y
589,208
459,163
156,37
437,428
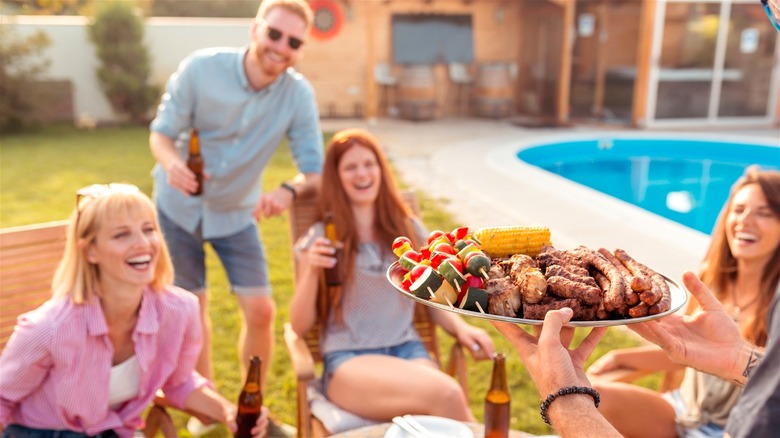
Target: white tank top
x,y
123,382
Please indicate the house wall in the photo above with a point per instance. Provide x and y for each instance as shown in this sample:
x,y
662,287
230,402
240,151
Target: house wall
x,y
339,68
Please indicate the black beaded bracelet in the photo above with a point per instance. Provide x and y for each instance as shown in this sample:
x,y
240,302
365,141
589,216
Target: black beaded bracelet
x,y
291,188
566,391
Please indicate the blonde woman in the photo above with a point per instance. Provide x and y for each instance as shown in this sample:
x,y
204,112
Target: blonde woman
x,y
89,361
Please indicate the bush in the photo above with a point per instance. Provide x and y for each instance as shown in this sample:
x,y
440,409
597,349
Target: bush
x,y
117,33
20,66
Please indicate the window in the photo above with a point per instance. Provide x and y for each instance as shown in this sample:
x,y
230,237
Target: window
x,y
432,39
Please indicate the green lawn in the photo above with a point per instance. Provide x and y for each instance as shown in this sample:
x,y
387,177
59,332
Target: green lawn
x,y
40,172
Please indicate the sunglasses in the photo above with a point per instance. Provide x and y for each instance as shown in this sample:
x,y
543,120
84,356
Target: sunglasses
x,y
772,18
275,34
98,190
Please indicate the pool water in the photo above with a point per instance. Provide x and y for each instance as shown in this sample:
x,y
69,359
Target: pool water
x,y
687,181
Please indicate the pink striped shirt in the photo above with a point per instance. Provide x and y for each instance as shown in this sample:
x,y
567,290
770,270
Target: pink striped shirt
x,y
54,371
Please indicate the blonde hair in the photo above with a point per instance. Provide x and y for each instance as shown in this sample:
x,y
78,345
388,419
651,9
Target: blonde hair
x,y
79,279
300,8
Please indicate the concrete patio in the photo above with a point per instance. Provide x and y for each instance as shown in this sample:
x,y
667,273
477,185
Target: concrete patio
x,y
471,165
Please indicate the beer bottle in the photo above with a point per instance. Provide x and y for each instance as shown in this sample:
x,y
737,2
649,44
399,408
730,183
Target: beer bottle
x,y
250,400
497,401
195,161
333,276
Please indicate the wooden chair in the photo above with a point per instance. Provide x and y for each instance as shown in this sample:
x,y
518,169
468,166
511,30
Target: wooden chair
x,y
29,255
305,353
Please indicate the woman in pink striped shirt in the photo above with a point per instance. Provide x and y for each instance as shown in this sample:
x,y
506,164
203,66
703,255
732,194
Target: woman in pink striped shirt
x,y
89,361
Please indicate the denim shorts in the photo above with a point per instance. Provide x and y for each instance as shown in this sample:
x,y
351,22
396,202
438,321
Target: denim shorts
x,y
17,431
706,430
409,350
242,254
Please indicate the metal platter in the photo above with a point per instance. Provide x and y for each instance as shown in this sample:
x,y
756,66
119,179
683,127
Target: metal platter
x,y
679,298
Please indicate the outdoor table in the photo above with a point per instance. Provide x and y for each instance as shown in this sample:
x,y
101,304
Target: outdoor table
x,y
379,430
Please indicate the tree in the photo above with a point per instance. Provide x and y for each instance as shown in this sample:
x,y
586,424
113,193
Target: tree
x,y
20,67
117,33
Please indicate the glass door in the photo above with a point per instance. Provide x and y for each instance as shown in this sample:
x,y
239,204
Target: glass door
x,y
715,61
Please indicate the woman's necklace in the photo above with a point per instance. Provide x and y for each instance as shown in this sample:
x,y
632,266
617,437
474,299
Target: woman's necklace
x,y
737,309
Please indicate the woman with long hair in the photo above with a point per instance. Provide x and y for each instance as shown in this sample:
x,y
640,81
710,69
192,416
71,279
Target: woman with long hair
x,y
374,363
89,361
742,268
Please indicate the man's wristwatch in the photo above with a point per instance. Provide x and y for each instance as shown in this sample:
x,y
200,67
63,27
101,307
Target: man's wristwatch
x,y
291,188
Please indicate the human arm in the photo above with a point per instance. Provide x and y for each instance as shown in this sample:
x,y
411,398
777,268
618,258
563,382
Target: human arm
x,y
206,400
476,340
553,366
313,252
708,339
645,358
25,362
278,200
180,176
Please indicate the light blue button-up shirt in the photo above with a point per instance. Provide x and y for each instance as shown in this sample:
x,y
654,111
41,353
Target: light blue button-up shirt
x,y
240,129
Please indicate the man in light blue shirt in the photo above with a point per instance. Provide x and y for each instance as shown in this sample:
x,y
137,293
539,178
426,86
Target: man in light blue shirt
x,y
243,102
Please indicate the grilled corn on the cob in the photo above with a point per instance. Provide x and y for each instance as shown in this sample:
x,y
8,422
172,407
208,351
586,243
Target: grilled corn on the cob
x,y
506,241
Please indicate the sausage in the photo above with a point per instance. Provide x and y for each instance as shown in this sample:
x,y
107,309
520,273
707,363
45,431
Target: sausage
x,y
615,296
638,311
631,297
565,288
538,311
560,271
665,303
656,291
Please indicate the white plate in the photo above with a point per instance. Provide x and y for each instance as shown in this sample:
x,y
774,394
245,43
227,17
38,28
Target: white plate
x,y
679,298
440,428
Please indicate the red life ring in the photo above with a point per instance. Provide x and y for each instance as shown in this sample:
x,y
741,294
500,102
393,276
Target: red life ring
x,y
328,19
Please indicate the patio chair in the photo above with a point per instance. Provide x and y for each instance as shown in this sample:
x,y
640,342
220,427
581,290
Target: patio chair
x,y
388,83
305,355
461,80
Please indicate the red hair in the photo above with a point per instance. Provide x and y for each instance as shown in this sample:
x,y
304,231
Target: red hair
x,y
392,217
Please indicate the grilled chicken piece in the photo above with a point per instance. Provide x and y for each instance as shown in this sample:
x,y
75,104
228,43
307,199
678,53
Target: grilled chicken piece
x,y
504,297
496,271
525,273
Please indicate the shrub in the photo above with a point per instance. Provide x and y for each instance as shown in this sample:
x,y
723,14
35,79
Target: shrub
x,y
20,66
117,33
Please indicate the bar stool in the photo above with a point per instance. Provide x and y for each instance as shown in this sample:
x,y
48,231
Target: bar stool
x,y
388,83
462,80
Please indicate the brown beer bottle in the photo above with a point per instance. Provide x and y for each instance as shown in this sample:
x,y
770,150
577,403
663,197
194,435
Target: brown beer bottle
x,y
195,160
497,401
250,400
333,276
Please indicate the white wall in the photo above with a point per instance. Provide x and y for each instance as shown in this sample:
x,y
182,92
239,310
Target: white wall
x,y
168,40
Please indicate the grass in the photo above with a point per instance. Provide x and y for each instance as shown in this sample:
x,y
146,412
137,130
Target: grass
x,y
40,172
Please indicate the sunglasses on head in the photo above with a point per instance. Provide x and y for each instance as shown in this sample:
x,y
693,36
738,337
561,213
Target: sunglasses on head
x,y
275,34
98,190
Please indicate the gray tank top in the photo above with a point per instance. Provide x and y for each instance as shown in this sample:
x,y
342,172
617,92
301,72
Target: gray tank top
x,y
374,313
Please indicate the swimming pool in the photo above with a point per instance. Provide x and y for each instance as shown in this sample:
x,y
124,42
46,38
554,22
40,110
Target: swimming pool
x,y
685,180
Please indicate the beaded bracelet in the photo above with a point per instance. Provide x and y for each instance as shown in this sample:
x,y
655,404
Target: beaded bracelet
x,y
566,391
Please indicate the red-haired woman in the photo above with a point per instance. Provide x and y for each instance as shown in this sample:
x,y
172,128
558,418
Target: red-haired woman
x,y
374,363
